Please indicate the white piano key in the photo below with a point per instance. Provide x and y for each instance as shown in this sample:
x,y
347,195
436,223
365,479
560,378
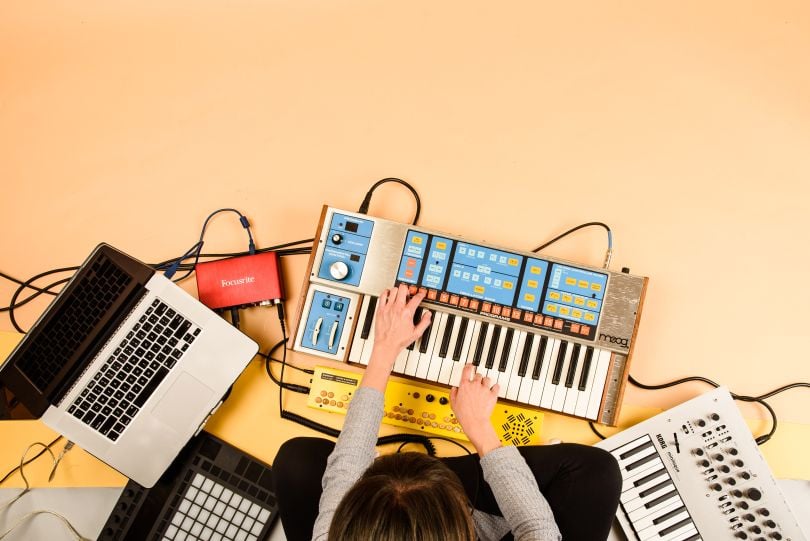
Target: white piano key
x,y
513,387
505,377
634,503
447,363
524,393
423,363
458,367
358,343
651,532
584,396
640,473
435,361
572,393
652,478
539,386
595,401
559,388
368,347
473,342
643,517
399,363
684,532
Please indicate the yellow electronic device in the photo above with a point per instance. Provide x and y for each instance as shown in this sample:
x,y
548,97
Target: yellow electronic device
x,y
421,407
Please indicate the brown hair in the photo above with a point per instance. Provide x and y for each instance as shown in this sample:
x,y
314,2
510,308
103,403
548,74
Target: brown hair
x,y
404,497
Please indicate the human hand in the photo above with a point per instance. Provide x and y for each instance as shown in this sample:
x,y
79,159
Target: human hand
x,y
393,331
472,402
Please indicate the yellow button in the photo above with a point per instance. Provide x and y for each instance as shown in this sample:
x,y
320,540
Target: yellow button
x,y
589,317
479,289
551,308
441,245
567,297
583,284
512,262
592,304
579,301
596,287
571,281
532,284
417,240
554,295
576,313
535,270
564,310
528,297
507,285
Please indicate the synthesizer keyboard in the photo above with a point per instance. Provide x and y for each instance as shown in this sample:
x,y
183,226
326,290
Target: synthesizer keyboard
x,y
694,472
555,335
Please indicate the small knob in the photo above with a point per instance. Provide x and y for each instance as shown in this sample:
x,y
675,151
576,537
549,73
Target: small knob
x,y
337,238
719,457
741,535
715,486
739,463
743,505
430,398
705,463
776,535
724,468
764,512
733,451
699,452
443,400
770,524
749,517
701,423
339,270
737,493
755,529
754,494
745,475
714,417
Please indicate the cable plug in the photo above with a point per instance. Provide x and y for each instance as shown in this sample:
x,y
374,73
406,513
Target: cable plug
x,y
68,446
365,204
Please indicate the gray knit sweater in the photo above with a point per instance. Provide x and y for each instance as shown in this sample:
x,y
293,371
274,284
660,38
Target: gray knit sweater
x,y
525,511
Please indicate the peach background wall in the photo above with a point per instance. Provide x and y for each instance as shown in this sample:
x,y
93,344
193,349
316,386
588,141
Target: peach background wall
x,y
685,126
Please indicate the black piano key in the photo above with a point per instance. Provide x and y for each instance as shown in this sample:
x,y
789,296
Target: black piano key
x,y
627,454
538,362
669,515
479,346
641,462
647,478
372,308
660,499
462,333
524,356
417,316
493,346
647,491
692,537
669,529
423,344
448,331
557,374
586,368
572,366
507,345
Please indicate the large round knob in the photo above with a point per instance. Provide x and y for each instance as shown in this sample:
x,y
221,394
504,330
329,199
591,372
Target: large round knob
x,y
754,494
339,270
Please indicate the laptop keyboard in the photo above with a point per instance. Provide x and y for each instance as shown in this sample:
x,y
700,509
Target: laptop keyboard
x,y
135,369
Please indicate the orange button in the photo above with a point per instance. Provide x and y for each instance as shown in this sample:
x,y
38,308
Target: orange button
x,y
464,302
431,294
410,262
558,324
516,314
444,297
538,319
486,307
496,310
408,273
528,317
548,321
423,290
454,300
585,330
574,327
474,304
506,312
412,290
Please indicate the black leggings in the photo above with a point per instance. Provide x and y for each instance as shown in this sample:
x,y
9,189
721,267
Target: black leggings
x,y
582,485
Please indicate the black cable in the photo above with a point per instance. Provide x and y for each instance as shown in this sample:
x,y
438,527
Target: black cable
x,y
22,288
593,429
33,458
39,291
367,199
290,365
577,228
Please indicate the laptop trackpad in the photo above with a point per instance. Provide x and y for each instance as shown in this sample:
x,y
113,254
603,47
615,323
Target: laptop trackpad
x,y
185,404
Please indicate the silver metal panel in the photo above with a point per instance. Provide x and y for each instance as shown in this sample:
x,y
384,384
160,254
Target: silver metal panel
x,y
620,312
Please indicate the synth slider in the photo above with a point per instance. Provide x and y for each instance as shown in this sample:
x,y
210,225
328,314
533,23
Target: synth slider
x,y
695,472
555,335
422,408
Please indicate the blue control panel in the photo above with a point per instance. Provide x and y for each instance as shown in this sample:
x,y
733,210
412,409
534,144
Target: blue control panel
x,y
346,248
325,322
505,284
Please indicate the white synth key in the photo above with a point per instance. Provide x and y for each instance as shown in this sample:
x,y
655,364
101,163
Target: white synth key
x,y
476,330
435,362
686,531
559,388
423,362
584,396
513,387
655,491
602,366
458,367
643,517
413,358
357,342
368,347
524,393
572,393
506,376
539,395
648,476
447,363
401,360
548,387
676,516
628,483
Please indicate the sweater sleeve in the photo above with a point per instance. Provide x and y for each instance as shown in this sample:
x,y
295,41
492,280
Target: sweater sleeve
x,y
515,489
353,453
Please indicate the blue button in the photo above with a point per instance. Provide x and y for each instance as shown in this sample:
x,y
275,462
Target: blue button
x,y
327,303
339,306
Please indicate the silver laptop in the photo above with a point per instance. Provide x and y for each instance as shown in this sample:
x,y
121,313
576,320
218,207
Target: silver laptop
x,y
126,364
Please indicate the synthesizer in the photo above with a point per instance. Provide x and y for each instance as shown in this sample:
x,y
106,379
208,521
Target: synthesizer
x,y
555,335
695,472
421,407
